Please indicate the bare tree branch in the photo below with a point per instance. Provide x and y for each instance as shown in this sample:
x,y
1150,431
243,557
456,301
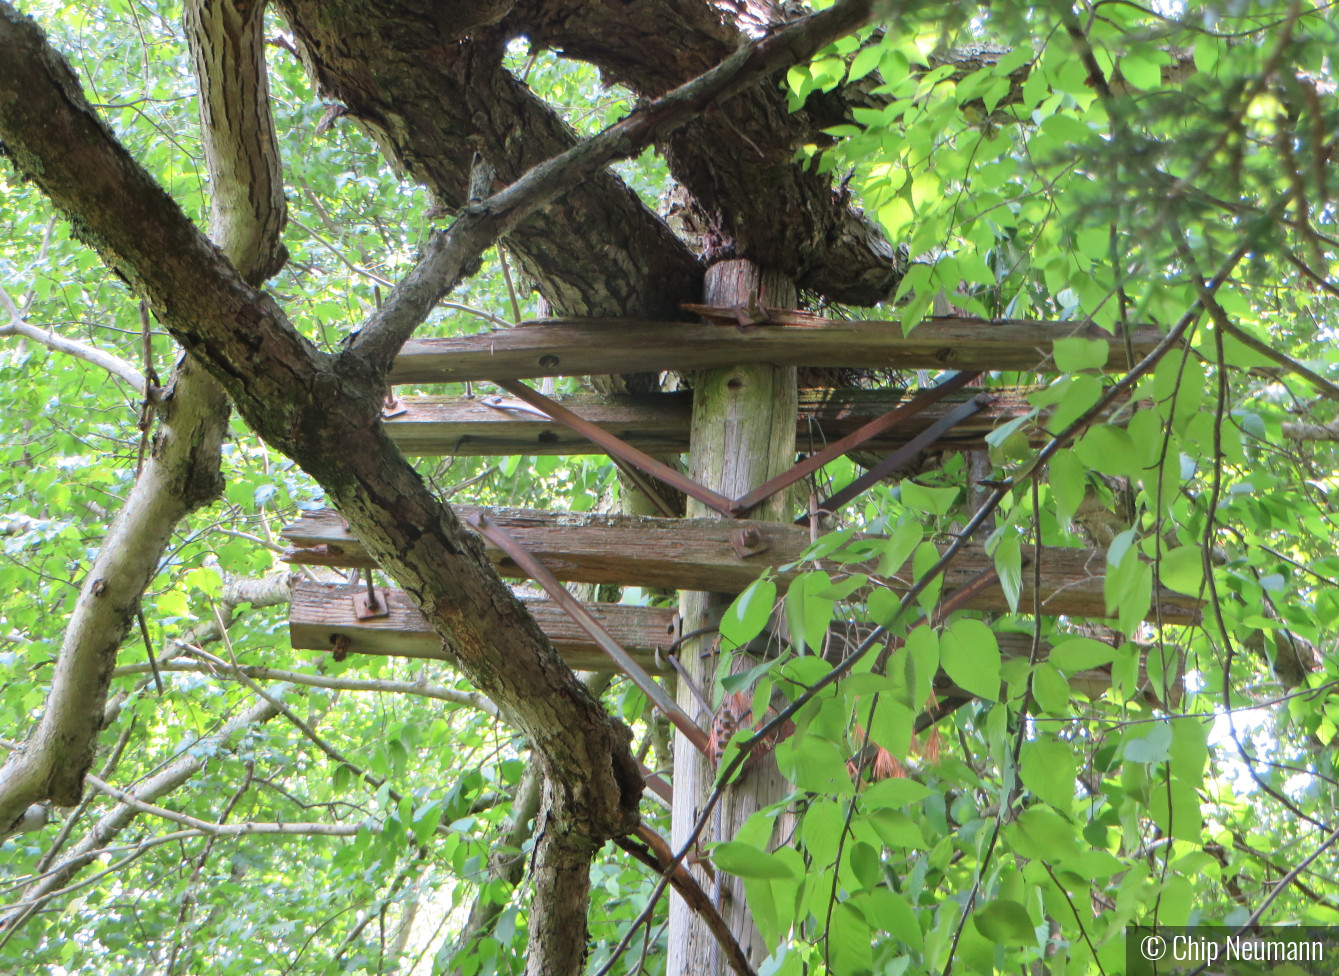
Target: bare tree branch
x,y
89,353
224,830
469,699
1312,432
171,777
1323,386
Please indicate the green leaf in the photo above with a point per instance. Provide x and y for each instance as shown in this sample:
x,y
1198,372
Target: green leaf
x,y
814,764
748,615
883,606
1094,864
922,561
747,861
1128,590
850,942
1047,768
1109,450
922,647
1190,748
1068,483
1141,73
1005,923
1076,395
892,726
808,612
206,579
889,910
893,794
173,603
1040,833
1081,654
1153,746
865,62
1206,53
970,655
933,501
1120,545
1077,354
897,547
1009,568
1175,808
821,830
896,829
1182,570
425,820
1050,689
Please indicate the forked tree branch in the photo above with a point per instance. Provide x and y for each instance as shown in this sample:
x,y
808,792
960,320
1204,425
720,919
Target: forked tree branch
x,y
448,256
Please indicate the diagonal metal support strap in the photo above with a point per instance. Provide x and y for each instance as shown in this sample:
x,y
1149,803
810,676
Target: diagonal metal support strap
x,y
618,448
851,441
573,608
901,456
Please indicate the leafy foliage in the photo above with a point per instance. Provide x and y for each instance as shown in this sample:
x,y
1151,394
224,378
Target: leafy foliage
x,y
1110,163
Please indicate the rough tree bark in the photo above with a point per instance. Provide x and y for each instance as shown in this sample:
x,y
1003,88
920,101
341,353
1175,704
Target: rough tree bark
x,y
431,106
738,163
741,437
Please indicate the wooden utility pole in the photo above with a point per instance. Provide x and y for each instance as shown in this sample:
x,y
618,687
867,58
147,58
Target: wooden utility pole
x,y
743,433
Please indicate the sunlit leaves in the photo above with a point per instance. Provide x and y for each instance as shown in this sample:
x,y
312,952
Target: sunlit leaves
x,y
1048,767
1149,745
1005,922
1014,188
1077,354
970,655
814,764
809,609
748,614
1182,570
747,861
1080,654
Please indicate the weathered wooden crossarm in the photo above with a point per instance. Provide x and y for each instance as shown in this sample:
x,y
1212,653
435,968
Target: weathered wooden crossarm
x,y
581,347
1092,682
322,611
698,553
658,422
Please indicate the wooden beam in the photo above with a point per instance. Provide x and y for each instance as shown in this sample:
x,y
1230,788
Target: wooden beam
x,y
1092,682
322,611
657,423
677,553
581,347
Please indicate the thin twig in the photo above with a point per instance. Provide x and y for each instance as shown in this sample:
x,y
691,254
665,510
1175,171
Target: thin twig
x,y
148,649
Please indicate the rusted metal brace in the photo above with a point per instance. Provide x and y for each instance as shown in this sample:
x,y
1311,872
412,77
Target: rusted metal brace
x,y
901,456
657,784
618,448
622,451
573,608
851,441
635,476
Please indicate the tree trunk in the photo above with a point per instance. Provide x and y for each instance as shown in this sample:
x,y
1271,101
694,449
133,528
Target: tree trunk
x,y
743,433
